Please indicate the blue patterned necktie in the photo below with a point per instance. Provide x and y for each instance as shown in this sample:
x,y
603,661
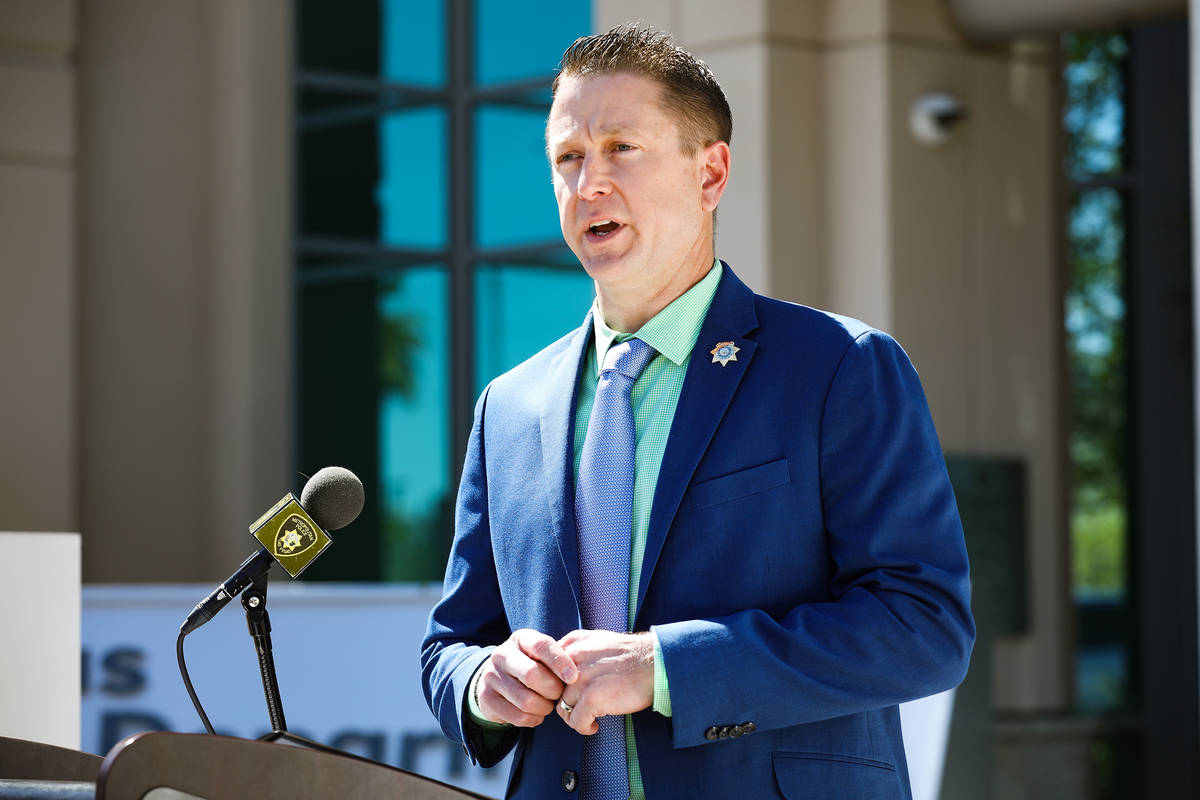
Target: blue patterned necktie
x,y
604,518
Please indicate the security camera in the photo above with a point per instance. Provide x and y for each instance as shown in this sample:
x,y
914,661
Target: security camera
x,y
934,116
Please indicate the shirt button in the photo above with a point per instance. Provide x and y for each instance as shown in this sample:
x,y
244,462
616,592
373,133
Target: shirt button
x,y
711,734
570,781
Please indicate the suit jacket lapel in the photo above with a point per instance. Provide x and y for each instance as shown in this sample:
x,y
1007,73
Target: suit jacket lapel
x,y
708,388
558,448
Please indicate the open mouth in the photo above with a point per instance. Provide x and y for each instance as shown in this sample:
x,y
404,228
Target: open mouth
x,y
603,228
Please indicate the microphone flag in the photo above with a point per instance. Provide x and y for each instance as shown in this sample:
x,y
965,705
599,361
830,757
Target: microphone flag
x,y
290,535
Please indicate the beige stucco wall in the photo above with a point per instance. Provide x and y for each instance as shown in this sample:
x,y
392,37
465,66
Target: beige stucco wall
x,y
145,291
39,434
833,203
185,274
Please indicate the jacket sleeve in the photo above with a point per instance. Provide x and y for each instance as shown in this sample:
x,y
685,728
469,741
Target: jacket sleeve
x,y
898,625
468,622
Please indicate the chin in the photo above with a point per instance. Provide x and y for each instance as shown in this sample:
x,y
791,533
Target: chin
x,y
607,267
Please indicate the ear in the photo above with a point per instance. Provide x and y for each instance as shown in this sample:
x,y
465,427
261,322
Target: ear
x,y
716,160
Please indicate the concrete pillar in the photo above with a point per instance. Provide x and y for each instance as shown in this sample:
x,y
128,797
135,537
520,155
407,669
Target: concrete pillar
x,y
833,203
39,353
186,282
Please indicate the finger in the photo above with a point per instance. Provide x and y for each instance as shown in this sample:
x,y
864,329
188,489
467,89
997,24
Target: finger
x,y
496,707
514,695
581,719
563,713
520,667
564,708
572,637
545,650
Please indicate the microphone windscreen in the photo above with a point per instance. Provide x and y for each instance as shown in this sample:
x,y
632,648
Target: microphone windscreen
x,y
333,497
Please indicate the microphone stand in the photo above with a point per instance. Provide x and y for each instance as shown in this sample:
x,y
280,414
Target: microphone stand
x,y
254,601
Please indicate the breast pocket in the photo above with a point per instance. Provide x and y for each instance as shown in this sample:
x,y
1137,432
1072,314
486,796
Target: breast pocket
x,y
808,776
739,484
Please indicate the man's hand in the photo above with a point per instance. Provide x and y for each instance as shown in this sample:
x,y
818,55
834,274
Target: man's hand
x,y
523,678
616,676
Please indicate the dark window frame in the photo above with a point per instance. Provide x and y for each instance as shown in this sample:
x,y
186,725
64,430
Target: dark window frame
x,y
461,97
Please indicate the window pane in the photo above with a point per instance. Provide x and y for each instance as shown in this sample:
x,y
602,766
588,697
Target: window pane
x,y
338,332
1095,321
514,200
395,40
1094,114
413,41
414,435
521,309
375,178
525,40
374,383
342,37
412,178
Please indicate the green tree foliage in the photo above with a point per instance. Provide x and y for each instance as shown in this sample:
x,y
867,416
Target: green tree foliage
x,y
1094,79
399,340
1094,112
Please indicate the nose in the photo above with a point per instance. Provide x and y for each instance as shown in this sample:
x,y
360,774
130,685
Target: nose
x,y
594,178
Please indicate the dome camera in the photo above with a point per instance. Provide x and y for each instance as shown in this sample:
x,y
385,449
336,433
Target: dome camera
x,y
934,117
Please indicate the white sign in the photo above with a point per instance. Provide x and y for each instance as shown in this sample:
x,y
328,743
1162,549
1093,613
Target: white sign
x,y
39,631
348,661
347,657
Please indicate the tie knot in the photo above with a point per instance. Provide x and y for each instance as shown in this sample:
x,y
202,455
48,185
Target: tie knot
x,y
629,357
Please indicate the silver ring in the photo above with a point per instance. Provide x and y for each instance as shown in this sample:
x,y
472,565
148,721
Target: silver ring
x,y
566,708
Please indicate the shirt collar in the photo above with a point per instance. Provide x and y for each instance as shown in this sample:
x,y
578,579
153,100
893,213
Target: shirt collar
x,y
672,331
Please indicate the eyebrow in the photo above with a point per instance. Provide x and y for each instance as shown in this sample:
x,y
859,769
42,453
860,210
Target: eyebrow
x,y
615,128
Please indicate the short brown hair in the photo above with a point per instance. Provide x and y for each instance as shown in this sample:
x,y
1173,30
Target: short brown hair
x,y
690,92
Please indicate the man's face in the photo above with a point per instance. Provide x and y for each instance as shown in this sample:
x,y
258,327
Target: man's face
x,y
631,204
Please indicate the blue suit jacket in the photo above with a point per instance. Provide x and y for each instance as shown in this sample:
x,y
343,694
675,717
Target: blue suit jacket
x,y
804,568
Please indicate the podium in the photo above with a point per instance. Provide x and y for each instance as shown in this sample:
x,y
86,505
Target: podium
x,y
197,765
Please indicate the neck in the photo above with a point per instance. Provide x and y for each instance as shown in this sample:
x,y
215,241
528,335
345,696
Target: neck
x,y
627,311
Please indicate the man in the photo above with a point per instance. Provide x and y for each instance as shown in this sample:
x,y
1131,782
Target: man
x,y
787,563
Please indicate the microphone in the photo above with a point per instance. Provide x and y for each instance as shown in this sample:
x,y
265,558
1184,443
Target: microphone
x,y
292,533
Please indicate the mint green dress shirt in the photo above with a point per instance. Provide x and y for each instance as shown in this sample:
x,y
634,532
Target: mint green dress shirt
x,y
673,333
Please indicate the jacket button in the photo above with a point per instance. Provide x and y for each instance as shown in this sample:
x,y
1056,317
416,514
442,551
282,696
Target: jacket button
x,y
737,731
724,732
748,727
711,734
570,781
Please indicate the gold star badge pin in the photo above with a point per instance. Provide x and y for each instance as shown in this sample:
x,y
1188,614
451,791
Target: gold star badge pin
x,y
724,352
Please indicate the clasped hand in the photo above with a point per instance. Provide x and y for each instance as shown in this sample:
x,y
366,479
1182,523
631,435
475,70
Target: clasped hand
x,y
594,673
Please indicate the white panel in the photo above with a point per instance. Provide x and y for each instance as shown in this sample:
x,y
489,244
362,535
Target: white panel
x,y
347,657
39,638
926,726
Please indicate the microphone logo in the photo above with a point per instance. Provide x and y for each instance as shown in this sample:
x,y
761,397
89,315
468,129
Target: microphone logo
x,y
295,536
290,535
